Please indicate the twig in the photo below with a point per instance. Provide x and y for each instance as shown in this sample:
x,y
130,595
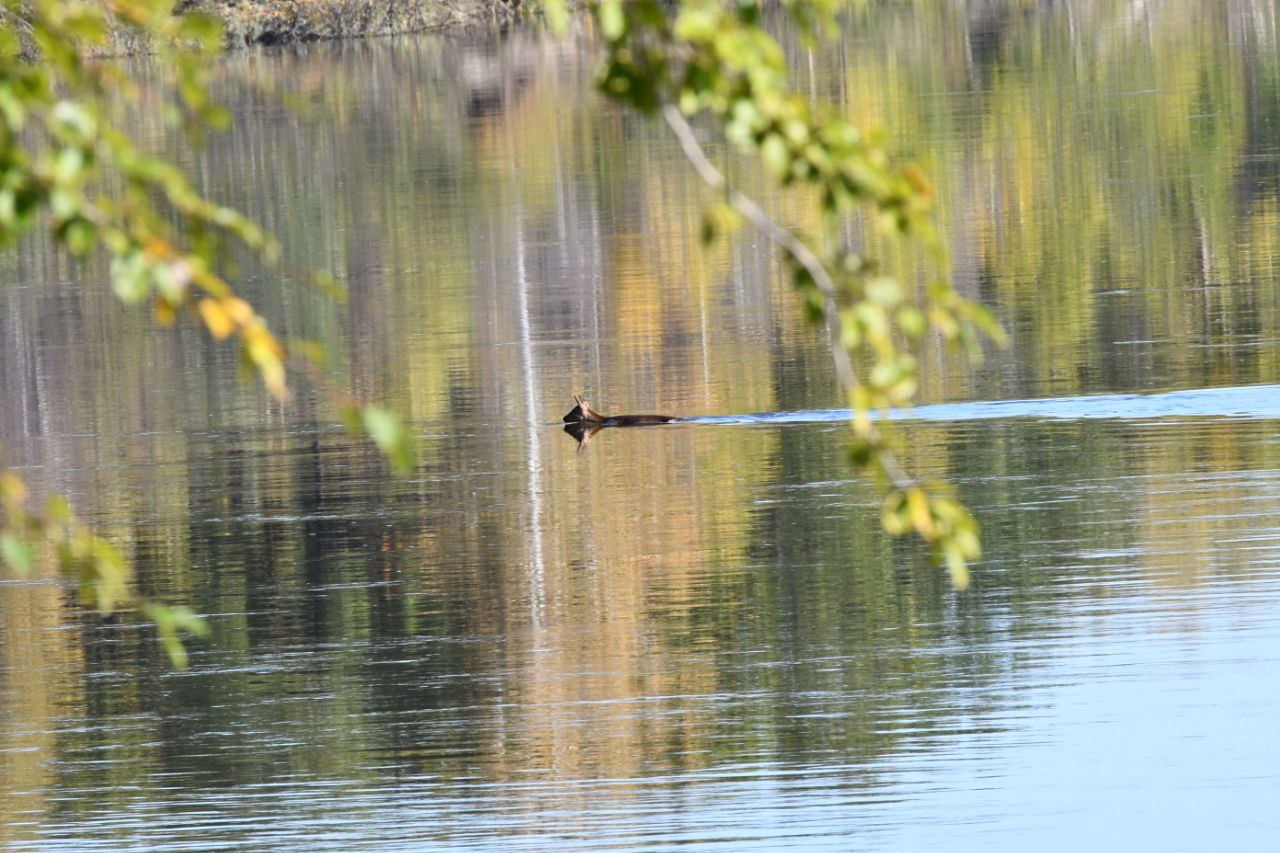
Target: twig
x,y
802,254
17,19
757,216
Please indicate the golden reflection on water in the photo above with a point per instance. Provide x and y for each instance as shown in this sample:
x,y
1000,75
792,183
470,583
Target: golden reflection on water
x,y
621,543
40,666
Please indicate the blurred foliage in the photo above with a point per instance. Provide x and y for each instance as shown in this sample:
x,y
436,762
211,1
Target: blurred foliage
x,y
68,166
31,539
714,60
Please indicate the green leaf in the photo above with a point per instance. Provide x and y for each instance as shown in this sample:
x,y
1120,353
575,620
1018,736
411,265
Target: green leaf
x,y
885,373
884,291
78,235
171,279
63,202
171,622
8,209
129,278
775,154
697,23
957,568
74,119
110,576
895,516
16,553
911,319
9,44
850,330
613,21
12,108
26,202
557,15
748,113
391,437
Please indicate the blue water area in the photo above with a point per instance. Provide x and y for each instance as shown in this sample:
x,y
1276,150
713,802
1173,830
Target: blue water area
x,y
1250,401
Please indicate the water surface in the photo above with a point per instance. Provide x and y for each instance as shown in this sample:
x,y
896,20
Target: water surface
x,y
694,635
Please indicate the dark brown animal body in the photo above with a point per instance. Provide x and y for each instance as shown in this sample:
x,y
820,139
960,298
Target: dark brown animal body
x,y
582,413
583,422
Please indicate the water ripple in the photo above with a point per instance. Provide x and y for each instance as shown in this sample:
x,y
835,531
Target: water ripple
x,y
1248,401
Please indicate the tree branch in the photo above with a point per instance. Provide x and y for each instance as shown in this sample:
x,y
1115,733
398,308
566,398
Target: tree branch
x,y
764,223
803,255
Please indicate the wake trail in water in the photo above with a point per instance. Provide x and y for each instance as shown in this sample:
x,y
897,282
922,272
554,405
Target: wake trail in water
x,y
1250,401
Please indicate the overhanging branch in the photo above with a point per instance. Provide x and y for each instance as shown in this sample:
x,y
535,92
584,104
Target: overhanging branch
x,y
803,255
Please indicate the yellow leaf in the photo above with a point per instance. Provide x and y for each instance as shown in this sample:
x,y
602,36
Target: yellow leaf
x,y
216,318
958,569
921,518
273,378
12,488
265,352
238,309
163,312
918,181
157,248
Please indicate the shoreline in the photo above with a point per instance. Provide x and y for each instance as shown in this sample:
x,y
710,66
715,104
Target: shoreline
x,y
254,22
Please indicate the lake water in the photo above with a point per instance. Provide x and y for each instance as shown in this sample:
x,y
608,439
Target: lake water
x,y
694,635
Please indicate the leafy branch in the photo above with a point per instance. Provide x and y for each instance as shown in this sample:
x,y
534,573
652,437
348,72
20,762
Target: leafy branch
x,y
713,58
67,165
30,540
